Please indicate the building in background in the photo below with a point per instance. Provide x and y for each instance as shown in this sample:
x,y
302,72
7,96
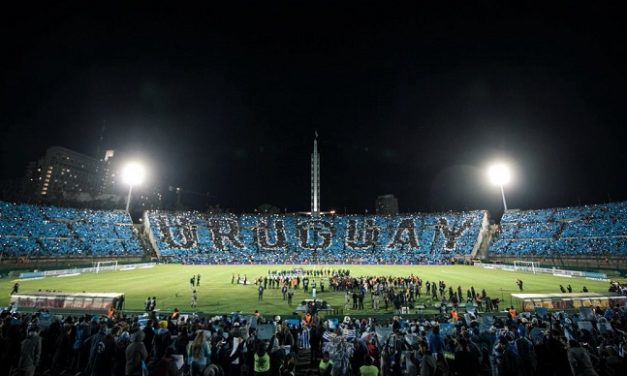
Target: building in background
x,y
386,205
62,172
68,178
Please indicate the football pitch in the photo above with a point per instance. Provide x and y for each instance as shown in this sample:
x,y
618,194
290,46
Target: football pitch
x,y
170,284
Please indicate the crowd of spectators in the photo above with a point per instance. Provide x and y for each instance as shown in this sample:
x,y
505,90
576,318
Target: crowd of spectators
x,y
193,237
36,231
450,343
597,230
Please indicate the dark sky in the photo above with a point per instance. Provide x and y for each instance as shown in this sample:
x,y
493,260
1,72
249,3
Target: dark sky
x,y
407,100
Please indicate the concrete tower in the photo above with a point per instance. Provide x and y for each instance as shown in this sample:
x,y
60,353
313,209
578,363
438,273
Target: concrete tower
x,y
315,180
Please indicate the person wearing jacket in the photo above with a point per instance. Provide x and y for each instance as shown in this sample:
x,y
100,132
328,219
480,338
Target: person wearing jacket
x,y
436,343
30,352
136,353
427,362
162,340
580,363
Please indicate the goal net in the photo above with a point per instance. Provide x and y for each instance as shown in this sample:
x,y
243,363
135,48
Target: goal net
x,y
525,266
103,266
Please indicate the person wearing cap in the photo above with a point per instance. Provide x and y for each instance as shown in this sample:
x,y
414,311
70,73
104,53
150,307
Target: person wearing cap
x,y
162,339
30,352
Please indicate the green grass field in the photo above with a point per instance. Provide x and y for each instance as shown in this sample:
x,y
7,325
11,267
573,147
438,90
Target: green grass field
x,y
170,284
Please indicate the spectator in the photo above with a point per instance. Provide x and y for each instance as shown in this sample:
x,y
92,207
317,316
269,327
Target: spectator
x,y
368,369
136,355
261,360
166,366
436,343
30,353
466,363
579,359
162,340
326,365
427,363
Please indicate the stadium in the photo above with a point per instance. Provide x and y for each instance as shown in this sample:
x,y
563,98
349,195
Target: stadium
x,y
313,189
290,268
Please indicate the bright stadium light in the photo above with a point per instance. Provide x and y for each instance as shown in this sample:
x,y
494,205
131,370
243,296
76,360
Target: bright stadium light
x,y
132,174
500,175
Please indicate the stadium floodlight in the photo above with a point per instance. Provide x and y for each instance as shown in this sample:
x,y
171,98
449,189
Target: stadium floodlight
x,y
500,175
133,174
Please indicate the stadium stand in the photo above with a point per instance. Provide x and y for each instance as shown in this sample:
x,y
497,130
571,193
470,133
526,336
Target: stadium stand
x,y
598,230
194,237
36,231
421,238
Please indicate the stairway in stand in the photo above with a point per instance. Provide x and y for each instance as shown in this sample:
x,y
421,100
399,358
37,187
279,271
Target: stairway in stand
x,y
303,364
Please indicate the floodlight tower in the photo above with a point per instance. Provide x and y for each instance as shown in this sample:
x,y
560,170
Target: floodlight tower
x,y
133,174
315,180
500,175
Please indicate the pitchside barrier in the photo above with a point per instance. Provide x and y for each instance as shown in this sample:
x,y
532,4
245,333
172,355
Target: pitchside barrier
x,y
554,271
93,302
76,271
560,301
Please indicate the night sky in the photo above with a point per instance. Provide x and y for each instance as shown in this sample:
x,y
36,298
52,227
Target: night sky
x,y
410,101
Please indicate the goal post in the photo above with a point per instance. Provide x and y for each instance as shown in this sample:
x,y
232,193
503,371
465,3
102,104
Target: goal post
x,y
102,266
525,266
